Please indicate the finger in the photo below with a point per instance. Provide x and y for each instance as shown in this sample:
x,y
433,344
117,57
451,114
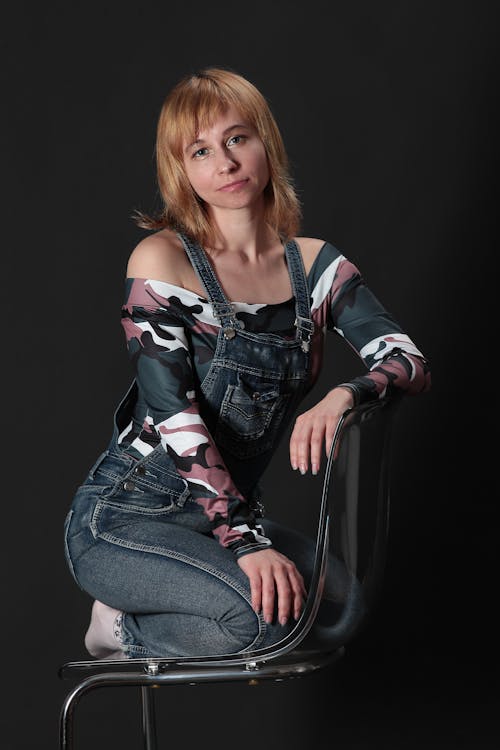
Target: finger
x,y
299,592
268,593
302,450
285,595
294,445
316,443
256,593
291,450
302,585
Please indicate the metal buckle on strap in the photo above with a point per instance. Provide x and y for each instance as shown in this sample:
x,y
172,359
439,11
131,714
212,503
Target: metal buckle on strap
x,y
225,310
306,328
304,324
222,309
230,331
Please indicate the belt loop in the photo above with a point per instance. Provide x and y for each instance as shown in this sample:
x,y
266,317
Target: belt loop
x,y
99,461
181,500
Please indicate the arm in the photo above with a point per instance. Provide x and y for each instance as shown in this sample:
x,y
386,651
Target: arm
x,y
394,363
344,304
155,324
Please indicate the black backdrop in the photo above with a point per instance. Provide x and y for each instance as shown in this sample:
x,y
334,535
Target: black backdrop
x,y
389,112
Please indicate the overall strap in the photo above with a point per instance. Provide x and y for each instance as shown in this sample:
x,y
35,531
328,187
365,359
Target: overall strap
x,y
303,321
221,307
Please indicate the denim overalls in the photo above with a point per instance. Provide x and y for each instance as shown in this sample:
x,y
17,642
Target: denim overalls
x,y
134,537
256,380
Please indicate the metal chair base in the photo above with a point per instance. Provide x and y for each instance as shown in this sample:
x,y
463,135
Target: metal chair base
x,y
151,673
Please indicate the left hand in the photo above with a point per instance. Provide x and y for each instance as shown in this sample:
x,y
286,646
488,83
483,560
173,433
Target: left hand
x,y
273,576
314,426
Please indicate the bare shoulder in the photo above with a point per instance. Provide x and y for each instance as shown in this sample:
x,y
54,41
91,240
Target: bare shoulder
x,y
158,256
309,247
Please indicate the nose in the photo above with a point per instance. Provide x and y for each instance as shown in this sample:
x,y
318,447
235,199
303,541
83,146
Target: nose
x,y
226,162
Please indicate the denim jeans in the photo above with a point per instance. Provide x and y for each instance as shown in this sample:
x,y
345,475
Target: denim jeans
x,y
149,551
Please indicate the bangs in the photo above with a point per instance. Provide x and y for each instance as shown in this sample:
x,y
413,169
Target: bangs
x,y
199,105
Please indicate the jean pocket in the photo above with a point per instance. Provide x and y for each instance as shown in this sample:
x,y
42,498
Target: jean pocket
x,y
250,416
127,509
146,489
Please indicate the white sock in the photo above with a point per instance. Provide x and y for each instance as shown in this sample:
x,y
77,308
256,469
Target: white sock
x,y
102,639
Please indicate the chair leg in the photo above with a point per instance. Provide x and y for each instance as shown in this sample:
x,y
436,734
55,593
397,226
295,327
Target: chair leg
x,y
67,715
148,718
66,725
100,680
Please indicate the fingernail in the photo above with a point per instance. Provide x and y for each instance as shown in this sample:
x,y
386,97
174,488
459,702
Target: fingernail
x,y
283,620
302,469
315,469
294,467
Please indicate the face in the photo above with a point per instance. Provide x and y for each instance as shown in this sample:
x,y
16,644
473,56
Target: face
x,y
227,163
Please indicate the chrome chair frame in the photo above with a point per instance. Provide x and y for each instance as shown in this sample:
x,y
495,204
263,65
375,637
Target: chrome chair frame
x,y
285,659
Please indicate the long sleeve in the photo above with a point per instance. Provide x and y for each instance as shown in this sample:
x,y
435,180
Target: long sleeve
x,y
155,323
348,307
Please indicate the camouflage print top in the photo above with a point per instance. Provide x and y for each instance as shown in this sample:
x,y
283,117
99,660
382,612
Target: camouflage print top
x,y
171,336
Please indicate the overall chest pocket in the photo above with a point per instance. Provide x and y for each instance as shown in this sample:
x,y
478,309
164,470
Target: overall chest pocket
x,y
249,417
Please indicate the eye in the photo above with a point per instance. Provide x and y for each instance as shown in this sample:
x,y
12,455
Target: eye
x,y
200,152
235,139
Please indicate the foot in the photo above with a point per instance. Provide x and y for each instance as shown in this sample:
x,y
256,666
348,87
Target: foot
x,y
102,637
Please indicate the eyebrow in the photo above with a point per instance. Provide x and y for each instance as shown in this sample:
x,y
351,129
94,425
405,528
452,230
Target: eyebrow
x,y
227,130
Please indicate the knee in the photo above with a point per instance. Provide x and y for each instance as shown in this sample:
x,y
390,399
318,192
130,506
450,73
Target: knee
x,y
246,630
241,628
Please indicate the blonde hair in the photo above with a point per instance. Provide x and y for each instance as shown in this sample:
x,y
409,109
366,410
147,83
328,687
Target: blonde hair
x,y
192,105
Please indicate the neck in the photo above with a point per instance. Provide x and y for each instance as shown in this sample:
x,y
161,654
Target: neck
x,y
241,232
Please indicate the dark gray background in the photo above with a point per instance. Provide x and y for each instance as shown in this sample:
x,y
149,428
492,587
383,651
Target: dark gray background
x,y
389,112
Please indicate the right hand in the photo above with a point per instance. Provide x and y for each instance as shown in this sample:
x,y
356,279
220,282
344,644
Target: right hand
x,y
315,425
272,573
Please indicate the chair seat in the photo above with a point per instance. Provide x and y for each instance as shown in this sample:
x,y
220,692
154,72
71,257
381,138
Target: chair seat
x,y
296,663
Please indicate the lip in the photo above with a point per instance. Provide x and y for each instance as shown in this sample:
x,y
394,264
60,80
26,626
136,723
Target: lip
x,y
233,185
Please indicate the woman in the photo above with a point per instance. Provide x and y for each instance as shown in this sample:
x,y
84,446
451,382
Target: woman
x,y
164,533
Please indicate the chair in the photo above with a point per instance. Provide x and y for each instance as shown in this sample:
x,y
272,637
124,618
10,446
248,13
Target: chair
x,y
351,530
